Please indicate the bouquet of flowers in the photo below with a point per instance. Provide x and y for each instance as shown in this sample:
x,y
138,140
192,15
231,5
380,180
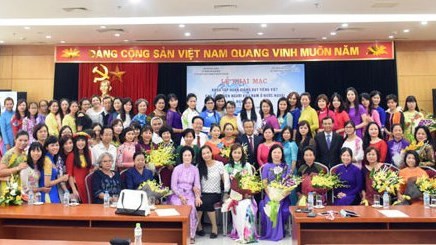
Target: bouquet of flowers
x,y
326,181
426,184
278,189
429,121
161,157
12,193
152,188
419,148
225,151
241,184
385,179
246,183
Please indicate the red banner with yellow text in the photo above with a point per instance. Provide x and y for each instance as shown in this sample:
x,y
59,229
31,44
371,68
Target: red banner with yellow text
x,y
227,53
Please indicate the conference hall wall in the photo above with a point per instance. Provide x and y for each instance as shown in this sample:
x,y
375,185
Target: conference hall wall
x,y
32,69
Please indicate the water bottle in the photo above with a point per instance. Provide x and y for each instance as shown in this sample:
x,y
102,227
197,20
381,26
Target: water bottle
x,y
66,200
106,199
138,234
32,198
386,200
310,200
426,199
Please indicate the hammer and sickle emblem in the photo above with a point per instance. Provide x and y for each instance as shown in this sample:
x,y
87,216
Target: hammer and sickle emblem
x,y
104,74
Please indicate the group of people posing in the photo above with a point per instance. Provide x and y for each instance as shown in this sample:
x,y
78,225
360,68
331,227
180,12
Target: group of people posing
x,y
52,146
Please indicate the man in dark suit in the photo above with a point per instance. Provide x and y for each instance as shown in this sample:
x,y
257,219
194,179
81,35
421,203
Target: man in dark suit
x,y
328,144
252,141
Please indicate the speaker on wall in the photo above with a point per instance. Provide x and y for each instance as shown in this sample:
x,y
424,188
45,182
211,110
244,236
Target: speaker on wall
x,y
22,95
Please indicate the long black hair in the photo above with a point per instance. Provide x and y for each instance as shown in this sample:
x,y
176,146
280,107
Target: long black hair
x,y
51,140
339,97
355,102
367,137
26,110
86,152
202,168
40,162
244,112
123,112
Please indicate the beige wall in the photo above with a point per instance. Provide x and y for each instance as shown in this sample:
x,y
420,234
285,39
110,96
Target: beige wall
x,y
31,69
416,67
28,68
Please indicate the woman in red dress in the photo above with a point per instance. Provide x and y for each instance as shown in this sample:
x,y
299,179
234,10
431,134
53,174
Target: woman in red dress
x,y
79,165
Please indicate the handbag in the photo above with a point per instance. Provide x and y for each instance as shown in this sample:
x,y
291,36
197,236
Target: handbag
x,y
133,202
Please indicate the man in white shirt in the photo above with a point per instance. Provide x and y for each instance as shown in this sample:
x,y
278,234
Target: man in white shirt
x,y
105,146
200,137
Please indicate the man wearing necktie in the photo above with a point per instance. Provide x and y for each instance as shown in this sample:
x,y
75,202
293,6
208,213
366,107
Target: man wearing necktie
x,y
328,144
251,140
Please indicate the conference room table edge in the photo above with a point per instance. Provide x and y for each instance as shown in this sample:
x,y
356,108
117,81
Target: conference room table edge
x,y
92,213
424,215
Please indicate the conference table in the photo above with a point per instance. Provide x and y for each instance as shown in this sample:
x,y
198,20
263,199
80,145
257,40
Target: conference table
x,y
371,227
91,222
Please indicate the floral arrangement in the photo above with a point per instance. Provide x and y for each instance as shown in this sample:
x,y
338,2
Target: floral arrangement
x,y
419,148
12,193
246,183
278,189
225,151
152,188
385,179
326,181
426,184
161,157
429,121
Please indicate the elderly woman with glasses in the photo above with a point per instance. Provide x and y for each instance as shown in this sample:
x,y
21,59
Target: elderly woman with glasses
x,y
104,179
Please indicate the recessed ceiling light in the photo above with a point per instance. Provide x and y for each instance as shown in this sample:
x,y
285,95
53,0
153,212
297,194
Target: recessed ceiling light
x,y
1,41
48,36
187,34
333,33
406,30
125,40
424,23
391,37
62,41
324,38
260,33
263,25
182,26
102,27
344,25
27,28
117,35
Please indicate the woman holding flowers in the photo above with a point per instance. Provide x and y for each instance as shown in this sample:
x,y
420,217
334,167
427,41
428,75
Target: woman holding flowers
x,y
14,160
244,214
410,173
138,173
215,142
425,146
352,177
165,133
273,228
372,163
185,184
211,175
307,170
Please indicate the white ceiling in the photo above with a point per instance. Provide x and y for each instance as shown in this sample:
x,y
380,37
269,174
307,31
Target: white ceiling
x,y
242,20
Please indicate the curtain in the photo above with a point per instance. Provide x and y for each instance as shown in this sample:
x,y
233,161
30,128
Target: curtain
x,y
138,81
